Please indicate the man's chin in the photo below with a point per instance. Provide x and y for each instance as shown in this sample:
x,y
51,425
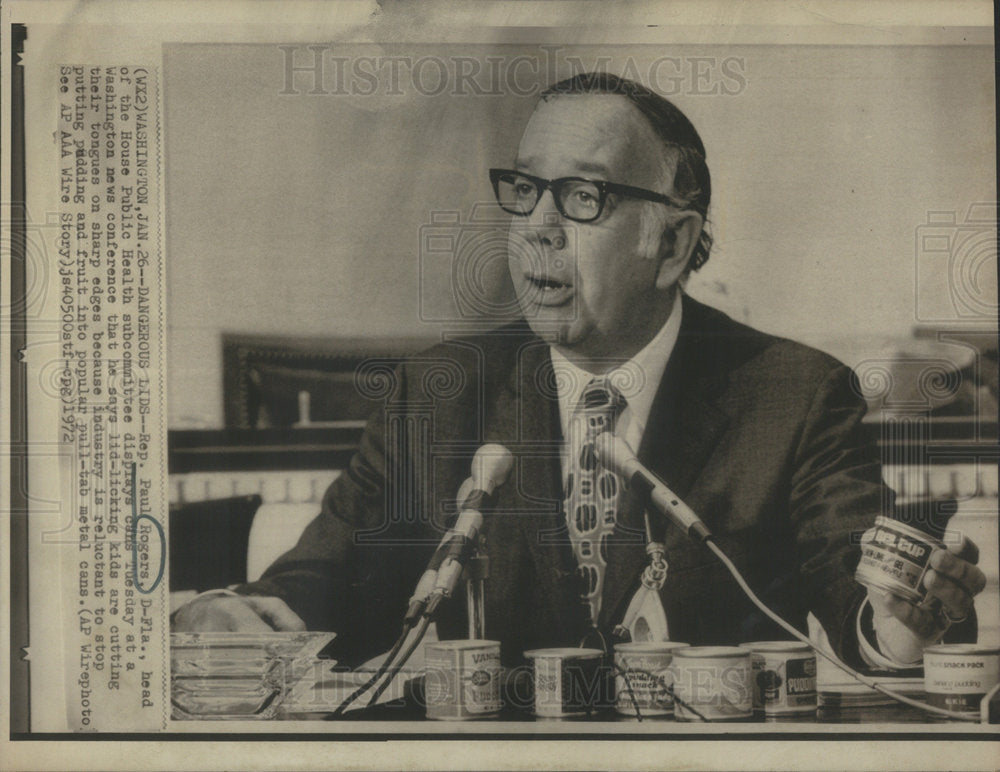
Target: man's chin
x,y
557,330
553,327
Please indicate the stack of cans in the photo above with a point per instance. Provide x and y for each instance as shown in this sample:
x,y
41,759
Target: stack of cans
x,y
660,680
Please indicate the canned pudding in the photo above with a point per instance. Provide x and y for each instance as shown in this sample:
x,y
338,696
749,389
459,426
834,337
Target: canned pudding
x,y
958,675
784,677
568,682
645,667
714,681
462,679
895,558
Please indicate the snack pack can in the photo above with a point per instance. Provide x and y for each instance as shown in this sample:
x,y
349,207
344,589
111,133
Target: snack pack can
x,y
643,679
462,679
712,683
958,675
568,683
784,677
895,557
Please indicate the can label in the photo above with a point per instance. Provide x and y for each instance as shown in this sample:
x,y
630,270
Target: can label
x,y
713,688
643,679
957,677
549,688
462,679
568,682
784,682
895,557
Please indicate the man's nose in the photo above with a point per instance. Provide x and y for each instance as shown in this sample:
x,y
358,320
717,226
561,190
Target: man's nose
x,y
547,222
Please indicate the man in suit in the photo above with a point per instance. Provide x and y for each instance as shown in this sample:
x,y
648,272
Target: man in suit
x,y
761,436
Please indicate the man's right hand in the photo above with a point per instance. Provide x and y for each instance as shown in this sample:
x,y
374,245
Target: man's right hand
x,y
236,613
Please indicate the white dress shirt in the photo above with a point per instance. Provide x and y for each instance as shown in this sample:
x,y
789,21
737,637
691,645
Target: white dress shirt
x,y
638,380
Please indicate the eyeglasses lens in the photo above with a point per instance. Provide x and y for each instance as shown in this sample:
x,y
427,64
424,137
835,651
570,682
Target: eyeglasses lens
x,y
578,199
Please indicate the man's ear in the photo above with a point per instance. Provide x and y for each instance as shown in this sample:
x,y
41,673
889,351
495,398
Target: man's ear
x,y
677,244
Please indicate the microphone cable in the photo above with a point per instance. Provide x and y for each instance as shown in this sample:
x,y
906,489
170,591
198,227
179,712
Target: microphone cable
x,y
378,673
870,683
417,638
491,466
617,456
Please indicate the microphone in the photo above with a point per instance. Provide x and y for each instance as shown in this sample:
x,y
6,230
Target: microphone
x,y
425,586
491,467
617,456
460,538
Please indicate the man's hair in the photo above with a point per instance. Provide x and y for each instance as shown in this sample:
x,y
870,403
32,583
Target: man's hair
x,y
692,183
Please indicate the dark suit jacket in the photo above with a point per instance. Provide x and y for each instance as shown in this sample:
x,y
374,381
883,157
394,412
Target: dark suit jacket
x,y
761,436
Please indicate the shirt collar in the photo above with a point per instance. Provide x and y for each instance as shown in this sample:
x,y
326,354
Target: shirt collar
x,y
637,379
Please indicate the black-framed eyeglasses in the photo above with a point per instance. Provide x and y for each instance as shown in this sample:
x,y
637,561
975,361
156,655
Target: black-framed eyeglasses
x,y
576,198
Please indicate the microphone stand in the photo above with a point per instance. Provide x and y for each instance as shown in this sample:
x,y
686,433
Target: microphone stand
x,y
461,553
477,570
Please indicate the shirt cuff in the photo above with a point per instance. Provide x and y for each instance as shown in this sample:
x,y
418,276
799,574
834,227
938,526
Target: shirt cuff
x,y
868,642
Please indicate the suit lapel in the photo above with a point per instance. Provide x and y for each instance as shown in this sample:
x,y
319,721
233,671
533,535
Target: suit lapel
x,y
527,421
684,423
683,428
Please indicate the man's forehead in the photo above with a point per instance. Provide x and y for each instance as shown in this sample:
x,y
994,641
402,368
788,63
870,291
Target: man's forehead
x,y
596,134
529,162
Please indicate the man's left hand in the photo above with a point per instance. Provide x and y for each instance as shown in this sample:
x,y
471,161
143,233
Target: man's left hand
x,y
904,628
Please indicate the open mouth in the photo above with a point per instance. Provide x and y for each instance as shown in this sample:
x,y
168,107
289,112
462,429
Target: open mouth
x,y
549,291
547,284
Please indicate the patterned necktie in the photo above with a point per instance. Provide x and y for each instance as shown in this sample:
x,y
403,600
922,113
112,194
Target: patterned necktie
x,y
591,503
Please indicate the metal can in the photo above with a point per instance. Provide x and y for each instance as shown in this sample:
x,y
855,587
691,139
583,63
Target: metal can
x,y
643,680
958,675
568,683
784,677
462,679
712,683
895,557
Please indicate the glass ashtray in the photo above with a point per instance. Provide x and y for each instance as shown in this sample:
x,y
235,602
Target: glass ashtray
x,y
238,675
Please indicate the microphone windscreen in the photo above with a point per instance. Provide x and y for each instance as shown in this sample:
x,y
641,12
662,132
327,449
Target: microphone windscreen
x,y
614,453
465,491
469,523
491,467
